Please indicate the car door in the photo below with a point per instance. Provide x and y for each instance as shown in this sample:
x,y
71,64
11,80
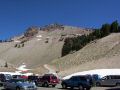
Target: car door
x,y
12,84
8,84
70,82
105,81
76,81
114,80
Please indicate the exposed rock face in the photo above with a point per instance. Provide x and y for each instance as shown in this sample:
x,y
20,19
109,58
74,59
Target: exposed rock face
x,y
52,27
31,31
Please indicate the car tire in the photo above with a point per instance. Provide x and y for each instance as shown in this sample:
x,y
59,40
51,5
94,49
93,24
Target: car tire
x,y
40,85
81,87
46,84
98,84
117,84
88,88
36,83
17,88
53,85
71,88
64,86
1,84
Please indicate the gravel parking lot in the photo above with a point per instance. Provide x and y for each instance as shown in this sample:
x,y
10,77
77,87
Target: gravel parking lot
x,y
58,87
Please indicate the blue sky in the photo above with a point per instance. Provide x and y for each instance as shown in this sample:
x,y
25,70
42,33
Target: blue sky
x,y
17,15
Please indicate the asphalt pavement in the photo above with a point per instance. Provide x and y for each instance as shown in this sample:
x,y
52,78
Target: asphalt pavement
x,y
58,87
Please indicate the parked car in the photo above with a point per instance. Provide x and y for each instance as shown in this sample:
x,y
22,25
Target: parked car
x,y
47,80
4,78
34,79
20,77
81,82
110,80
95,77
19,84
16,76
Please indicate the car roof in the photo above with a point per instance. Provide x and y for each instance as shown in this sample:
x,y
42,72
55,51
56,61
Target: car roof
x,y
33,76
18,79
112,75
49,75
81,76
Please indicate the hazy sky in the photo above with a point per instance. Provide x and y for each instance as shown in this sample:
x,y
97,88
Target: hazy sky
x,y
17,15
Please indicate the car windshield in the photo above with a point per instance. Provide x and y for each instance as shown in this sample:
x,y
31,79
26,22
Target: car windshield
x,y
18,80
54,77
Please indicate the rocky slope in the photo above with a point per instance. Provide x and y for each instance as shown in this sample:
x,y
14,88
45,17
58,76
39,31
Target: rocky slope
x,y
102,53
38,46
42,46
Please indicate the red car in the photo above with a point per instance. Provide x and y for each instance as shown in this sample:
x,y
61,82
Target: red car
x,y
47,80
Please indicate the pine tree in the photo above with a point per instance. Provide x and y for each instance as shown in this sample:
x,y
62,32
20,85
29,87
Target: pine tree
x,y
22,44
105,30
114,27
6,65
15,45
119,29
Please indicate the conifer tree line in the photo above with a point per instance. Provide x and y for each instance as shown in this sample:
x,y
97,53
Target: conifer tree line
x,y
76,43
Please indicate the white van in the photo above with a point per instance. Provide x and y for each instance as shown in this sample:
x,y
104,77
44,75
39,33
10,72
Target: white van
x,y
110,80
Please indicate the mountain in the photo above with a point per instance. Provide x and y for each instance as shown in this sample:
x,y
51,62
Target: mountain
x,y
38,45
101,53
40,48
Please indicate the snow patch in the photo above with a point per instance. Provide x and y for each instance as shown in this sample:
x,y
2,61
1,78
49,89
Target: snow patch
x,y
39,39
11,73
100,72
17,41
22,68
39,36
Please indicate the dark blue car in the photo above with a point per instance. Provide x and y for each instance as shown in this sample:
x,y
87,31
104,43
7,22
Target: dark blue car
x,y
81,82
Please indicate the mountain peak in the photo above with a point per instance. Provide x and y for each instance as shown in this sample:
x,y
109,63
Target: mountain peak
x,y
52,27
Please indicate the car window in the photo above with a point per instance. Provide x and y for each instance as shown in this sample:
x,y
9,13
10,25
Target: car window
x,y
17,80
16,76
83,79
32,77
115,77
76,78
106,77
46,77
54,77
72,78
2,76
8,77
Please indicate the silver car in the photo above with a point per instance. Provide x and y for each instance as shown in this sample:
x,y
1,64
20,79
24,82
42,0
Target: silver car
x,y
110,80
19,84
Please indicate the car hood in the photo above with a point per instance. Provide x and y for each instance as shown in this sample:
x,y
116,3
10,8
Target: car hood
x,y
26,83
